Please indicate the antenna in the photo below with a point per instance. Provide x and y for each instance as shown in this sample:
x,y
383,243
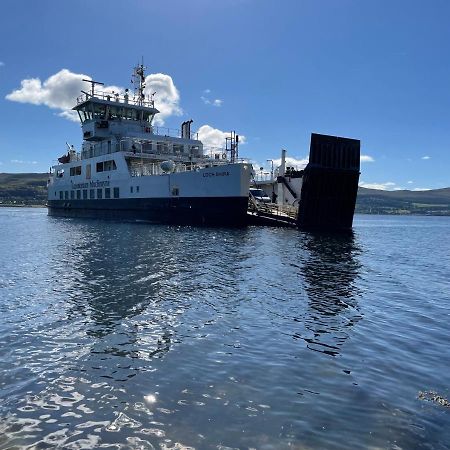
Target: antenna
x,y
138,79
93,83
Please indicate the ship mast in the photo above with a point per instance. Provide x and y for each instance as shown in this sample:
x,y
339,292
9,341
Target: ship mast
x,y
138,79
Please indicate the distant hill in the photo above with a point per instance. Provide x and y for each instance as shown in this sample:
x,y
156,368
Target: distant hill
x,y
31,189
433,202
23,188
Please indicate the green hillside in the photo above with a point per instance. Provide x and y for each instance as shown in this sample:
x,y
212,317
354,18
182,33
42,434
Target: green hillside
x,y
23,188
31,189
433,202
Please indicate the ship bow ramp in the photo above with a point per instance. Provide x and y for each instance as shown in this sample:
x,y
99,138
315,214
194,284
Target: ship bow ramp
x,y
330,184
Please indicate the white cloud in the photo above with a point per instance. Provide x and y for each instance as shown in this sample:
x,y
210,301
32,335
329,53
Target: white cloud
x,y
292,162
69,115
410,182
366,158
207,101
2,63
213,137
20,161
60,91
421,189
167,97
388,186
426,157
217,102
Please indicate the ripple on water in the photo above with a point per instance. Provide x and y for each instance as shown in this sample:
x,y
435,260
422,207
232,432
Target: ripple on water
x,y
119,335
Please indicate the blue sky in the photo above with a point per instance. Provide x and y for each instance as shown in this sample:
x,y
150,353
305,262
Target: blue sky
x,y
274,71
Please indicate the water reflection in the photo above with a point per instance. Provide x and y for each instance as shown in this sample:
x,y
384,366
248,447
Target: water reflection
x,y
330,272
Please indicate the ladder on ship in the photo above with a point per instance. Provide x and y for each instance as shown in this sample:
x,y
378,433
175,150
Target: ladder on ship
x,y
272,214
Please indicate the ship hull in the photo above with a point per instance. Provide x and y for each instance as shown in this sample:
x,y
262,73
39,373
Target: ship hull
x,y
214,211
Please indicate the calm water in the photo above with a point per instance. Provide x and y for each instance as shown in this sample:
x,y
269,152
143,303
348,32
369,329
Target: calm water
x,y
117,335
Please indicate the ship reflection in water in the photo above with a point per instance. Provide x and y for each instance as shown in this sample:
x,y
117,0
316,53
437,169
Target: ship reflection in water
x,y
330,274
121,335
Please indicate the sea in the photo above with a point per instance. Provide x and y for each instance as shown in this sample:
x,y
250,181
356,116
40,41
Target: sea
x,y
121,335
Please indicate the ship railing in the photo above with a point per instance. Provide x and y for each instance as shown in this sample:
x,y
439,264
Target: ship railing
x,y
116,97
171,132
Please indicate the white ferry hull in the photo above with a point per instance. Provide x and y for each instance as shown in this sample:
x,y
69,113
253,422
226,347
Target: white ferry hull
x,y
210,196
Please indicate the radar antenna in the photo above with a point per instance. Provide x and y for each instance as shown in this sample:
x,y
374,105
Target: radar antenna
x,y
93,83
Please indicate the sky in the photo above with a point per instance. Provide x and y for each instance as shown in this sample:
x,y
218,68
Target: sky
x,y
274,71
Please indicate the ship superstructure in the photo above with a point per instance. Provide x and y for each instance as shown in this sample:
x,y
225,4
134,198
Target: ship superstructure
x,y
130,168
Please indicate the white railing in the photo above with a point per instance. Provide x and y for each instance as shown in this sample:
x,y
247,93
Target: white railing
x,y
117,98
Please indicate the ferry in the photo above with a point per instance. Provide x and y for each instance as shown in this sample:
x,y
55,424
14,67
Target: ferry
x,y
129,168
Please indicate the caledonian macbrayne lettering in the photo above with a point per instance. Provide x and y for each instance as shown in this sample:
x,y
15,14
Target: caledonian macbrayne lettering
x,y
91,184
216,174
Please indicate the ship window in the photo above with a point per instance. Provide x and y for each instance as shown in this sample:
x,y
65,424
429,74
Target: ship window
x,y
107,192
116,192
131,189
84,194
137,188
106,166
75,171
61,195
91,193
175,191
88,171
72,195
177,148
78,194
109,165
99,193
162,147
66,195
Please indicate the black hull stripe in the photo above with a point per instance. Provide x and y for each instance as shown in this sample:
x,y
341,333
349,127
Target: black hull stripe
x,y
208,211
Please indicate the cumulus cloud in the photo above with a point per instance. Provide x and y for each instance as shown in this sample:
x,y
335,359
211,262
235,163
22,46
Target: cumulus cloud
x,y
366,158
388,186
213,137
167,97
421,189
426,157
60,91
